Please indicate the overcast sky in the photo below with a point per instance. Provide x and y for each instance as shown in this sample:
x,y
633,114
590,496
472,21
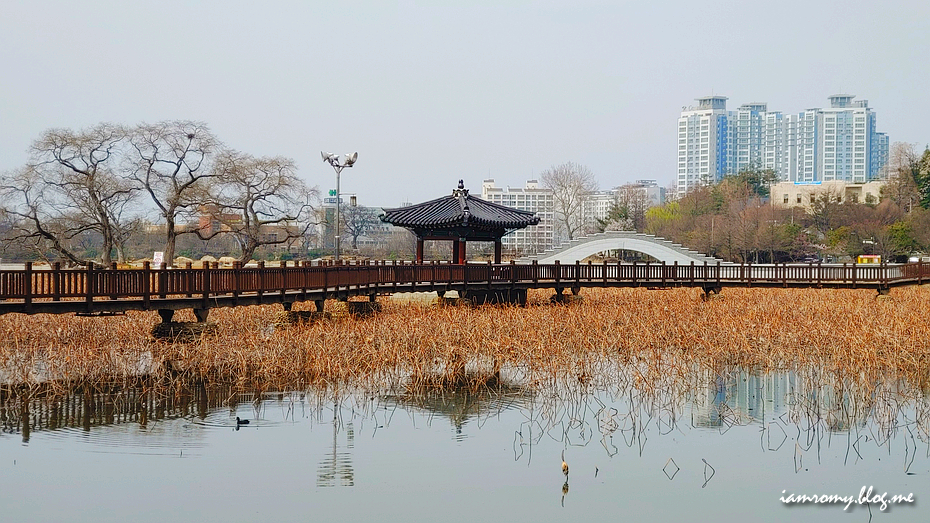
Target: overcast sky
x,y
431,92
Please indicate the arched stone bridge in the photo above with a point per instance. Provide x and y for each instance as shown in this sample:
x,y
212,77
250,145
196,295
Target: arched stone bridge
x,y
659,248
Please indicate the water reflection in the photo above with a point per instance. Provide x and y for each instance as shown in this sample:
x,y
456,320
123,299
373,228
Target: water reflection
x,y
461,405
335,468
611,404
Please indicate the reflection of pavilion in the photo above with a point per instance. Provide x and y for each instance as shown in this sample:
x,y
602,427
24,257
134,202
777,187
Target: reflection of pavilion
x,y
462,404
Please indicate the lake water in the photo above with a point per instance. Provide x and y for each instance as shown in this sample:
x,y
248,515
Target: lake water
x,y
715,445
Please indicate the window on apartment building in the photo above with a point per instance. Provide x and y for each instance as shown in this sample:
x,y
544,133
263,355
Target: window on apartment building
x,y
786,199
799,198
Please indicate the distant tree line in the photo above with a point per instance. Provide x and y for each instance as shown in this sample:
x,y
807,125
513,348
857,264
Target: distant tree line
x,y
86,195
735,221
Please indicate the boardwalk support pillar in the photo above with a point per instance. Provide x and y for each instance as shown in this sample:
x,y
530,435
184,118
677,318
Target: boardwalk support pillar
x,y
709,292
201,315
166,315
319,305
884,291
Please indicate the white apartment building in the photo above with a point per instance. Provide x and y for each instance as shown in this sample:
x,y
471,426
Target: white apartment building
x,y
836,143
747,136
533,198
703,148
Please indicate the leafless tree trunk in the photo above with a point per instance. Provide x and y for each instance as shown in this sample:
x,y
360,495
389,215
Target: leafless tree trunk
x,y
72,186
172,163
357,221
570,184
261,201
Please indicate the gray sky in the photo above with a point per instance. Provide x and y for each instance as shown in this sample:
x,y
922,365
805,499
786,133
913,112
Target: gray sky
x,y
430,92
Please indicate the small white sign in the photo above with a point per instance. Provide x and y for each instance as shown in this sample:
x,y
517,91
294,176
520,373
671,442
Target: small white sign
x,y
158,258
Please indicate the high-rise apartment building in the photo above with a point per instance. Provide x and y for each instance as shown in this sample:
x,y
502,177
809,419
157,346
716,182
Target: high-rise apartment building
x,y
703,144
816,145
533,198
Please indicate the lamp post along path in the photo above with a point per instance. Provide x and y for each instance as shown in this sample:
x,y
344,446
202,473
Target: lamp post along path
x,y
347,161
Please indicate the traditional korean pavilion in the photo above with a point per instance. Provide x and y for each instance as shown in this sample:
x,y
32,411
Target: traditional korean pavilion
x,y
459,218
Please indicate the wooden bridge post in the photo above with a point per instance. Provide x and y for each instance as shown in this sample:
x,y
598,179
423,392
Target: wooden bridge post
x,y
558,274
112,280
855,273
535,272
819,274
56,281
325,282
261,280
89,287
237,280
206,285
490,274
577,276
691,271
604,275
920,271
27,286
513,273
189,278
663,269
163,280
146,284
884,279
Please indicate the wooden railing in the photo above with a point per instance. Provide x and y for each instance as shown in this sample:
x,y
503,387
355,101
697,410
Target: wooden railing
x,y
149,284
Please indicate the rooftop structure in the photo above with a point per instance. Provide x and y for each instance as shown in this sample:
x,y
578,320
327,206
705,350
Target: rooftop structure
x,y
460,218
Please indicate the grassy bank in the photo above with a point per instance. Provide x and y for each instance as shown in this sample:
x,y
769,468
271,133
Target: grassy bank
x,y
848,331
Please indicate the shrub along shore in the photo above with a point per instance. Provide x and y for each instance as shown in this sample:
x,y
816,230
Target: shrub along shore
x,y
848,332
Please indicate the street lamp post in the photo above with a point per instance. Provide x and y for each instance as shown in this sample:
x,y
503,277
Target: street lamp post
x,y
347,161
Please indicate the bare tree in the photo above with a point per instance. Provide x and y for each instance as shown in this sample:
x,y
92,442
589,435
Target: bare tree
x,y
72,187
903,174
261,201
172,162
571,184
358,221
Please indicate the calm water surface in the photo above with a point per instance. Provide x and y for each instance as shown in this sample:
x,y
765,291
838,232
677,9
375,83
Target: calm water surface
x,y
717,445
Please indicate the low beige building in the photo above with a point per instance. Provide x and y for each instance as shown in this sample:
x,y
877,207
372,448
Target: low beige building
x,y
791,194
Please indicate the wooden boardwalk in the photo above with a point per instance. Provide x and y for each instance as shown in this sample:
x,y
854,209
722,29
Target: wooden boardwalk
x,y
93,290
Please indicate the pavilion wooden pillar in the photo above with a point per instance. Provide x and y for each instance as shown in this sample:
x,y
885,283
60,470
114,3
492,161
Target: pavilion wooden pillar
x,y
458,251
419,250
497,250
455,250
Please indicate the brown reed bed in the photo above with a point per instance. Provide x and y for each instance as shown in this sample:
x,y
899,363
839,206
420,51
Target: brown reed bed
x,y
659,332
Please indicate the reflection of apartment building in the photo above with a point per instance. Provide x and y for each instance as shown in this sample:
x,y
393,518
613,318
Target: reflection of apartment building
x,y
801,194
816,145
533,198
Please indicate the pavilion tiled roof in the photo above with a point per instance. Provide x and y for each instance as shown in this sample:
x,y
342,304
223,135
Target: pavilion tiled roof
x,y
459,209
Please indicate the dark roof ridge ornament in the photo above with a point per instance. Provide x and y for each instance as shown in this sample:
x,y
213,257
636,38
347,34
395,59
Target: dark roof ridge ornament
x,y
461,190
